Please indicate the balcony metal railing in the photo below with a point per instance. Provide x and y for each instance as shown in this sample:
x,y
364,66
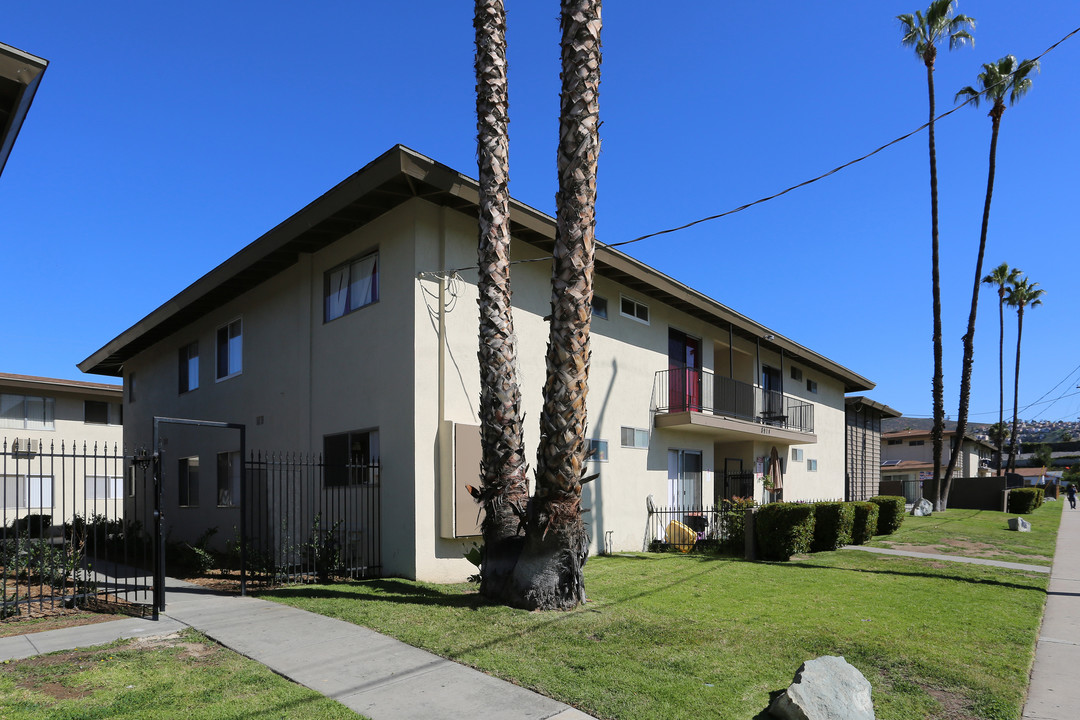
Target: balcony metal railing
x,y
702,391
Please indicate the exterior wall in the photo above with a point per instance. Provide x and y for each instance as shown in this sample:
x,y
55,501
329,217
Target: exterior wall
x,y
407,365
58,477
863,438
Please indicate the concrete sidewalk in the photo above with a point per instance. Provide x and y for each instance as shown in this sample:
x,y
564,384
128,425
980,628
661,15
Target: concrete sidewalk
x,y
370,673
1054,693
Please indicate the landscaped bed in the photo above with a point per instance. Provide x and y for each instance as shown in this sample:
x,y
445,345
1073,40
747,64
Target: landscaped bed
x,y
690,637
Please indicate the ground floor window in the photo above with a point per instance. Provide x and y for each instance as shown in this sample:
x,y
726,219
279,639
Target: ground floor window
x,y
27,491
351,458
228,479
684,478
104,487
188,474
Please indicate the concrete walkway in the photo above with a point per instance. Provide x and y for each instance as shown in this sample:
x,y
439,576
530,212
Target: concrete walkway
x,y
954,558
372,674
1054,693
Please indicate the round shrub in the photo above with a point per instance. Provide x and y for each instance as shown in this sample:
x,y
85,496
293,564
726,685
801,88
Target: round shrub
x,y
864,525
832,525
783,530
1024,500
890,513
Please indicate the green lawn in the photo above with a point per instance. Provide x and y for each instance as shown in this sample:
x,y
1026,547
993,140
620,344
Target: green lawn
x,y
980,533
185,676
689,637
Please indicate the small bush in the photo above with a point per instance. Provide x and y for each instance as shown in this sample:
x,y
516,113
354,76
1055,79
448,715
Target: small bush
x,y
1024,500
890,513
783,530
864,525
832,525
733,520
32,525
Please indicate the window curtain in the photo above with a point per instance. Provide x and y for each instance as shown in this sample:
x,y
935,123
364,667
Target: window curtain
x,y
337,294
362,287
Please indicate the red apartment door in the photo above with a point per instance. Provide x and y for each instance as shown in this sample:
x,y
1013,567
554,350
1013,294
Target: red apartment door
x,y
684,371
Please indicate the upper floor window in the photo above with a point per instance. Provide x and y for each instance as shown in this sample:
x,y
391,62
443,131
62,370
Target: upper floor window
x,y
631,308
27,412
811,386
796,374
351,286
99,412
916,443
599,306
230,349
896,441
189,367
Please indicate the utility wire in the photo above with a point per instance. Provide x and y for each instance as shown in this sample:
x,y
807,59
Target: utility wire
x,y
811,181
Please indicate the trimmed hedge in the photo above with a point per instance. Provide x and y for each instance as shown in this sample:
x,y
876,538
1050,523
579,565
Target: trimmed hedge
x,y
832,525
864,525
784,529
1025,500
890,513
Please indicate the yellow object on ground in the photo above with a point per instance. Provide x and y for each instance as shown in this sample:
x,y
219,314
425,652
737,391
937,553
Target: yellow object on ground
x,y
681,536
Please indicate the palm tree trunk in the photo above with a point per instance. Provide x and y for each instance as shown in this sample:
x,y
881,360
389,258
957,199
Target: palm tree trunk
x,y
969,336
1001,377
938,431
1016,390
549,573
503,480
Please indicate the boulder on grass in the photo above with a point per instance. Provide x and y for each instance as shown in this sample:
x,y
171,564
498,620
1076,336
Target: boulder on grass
x,y
1019,524
825,688
923,508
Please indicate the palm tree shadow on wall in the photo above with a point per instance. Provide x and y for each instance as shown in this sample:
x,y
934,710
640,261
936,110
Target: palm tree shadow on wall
x,y
590,492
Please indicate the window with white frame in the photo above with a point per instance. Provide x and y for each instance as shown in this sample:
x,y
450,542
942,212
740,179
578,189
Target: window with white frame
x,y
99,412
27,491
598,451
228,479
230,349
634,437
188,474
351,458
599,307
27,412
188,367
796,454
811,465
628,307
104,487
351,286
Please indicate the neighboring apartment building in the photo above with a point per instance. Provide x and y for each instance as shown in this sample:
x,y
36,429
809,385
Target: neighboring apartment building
x,y
59,447
347,330
862,435
907,459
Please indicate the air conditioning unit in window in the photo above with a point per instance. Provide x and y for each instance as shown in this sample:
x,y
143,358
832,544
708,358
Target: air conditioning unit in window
x,y
25,447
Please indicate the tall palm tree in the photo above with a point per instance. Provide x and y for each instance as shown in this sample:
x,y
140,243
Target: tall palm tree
x,y
1003,277
503,480
1022,294
997,81
549,573
923,33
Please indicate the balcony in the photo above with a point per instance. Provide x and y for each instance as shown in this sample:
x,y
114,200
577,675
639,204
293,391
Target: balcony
x,y
699,400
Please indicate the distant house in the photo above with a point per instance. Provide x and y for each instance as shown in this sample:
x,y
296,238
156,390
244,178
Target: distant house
x,y
350,330
20,75
907,459
58,445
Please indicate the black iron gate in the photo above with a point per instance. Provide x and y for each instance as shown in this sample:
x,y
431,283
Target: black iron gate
x,y
77,529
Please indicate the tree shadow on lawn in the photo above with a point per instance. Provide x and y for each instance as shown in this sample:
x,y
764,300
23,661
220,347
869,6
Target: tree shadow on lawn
x,y
391,590
907,573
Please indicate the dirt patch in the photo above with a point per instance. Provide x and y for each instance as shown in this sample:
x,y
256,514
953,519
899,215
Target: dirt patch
x,y
972,549
953,706
54,690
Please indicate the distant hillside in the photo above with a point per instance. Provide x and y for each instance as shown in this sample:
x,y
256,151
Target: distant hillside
x,y
924,424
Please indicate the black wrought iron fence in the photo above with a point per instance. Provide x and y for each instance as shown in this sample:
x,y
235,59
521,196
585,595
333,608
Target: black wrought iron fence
x,y
74,528
307,521
717,528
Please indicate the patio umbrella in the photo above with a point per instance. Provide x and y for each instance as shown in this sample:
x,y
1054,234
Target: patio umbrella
x,y
775,472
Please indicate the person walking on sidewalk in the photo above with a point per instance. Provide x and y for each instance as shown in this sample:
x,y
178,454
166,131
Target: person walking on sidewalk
x,y
1071,492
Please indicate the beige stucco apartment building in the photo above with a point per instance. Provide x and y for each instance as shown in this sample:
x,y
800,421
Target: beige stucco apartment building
x,y
907,459
354,324
60,442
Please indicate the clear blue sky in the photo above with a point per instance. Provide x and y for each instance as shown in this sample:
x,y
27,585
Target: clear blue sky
x,y
166,136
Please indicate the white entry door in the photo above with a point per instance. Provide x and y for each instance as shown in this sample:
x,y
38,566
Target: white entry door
x,y
684,478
